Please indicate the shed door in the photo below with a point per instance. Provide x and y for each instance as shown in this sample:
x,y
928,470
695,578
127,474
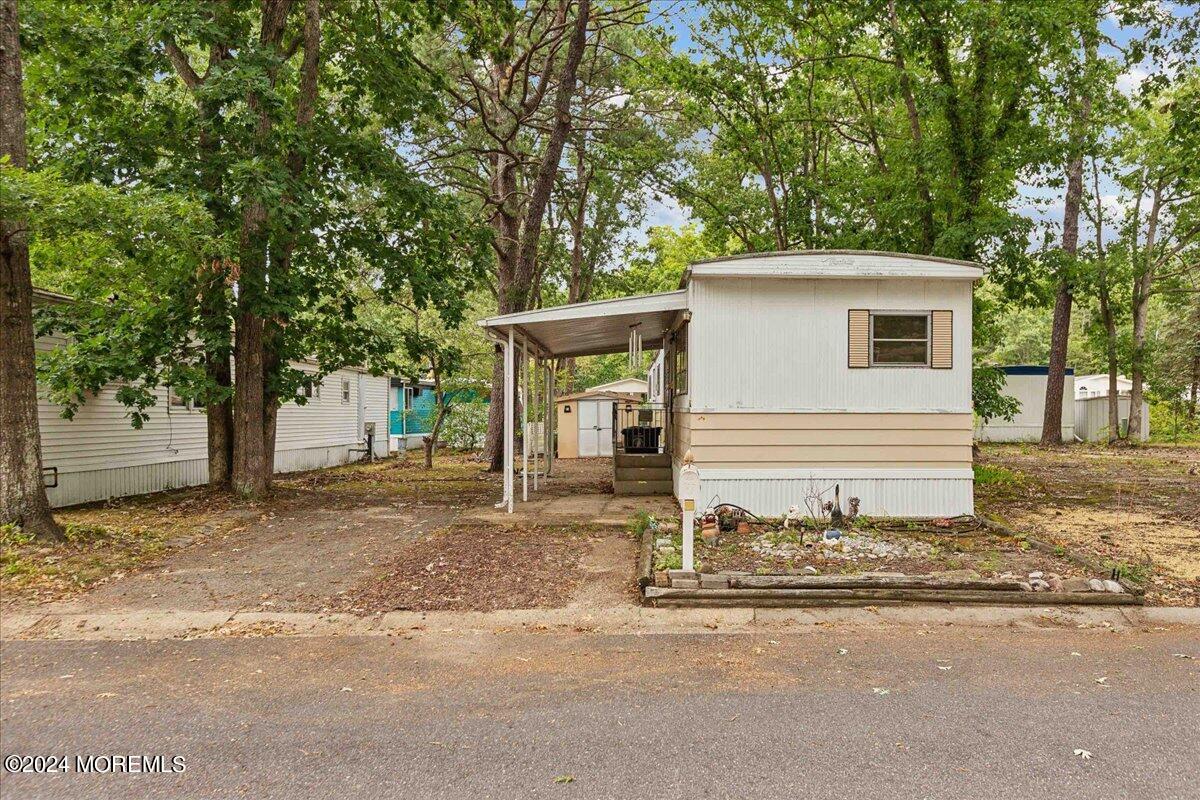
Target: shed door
x,y
595,428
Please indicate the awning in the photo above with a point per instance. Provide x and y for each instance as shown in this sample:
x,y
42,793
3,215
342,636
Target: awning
x,y
586,329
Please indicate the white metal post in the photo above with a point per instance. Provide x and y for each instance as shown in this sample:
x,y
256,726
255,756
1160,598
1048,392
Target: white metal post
x,y
553,420
524,421
689,491
539,390
509,357
548,425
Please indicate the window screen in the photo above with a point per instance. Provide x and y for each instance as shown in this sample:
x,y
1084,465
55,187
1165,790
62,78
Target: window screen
x,y
900,339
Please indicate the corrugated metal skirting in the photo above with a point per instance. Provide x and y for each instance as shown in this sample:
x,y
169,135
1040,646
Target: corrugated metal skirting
x,y
880,497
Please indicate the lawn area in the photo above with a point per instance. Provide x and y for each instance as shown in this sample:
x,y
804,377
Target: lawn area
x,y
111,540
1136,508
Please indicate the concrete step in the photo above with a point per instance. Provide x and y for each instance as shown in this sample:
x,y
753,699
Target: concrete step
x,y
642,473
643,460
642,487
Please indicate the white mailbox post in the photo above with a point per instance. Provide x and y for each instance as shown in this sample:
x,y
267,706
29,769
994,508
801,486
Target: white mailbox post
x,y
689,492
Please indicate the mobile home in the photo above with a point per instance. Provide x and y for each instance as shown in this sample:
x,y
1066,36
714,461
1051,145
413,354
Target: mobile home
x,y
1026,383
98,455
787,374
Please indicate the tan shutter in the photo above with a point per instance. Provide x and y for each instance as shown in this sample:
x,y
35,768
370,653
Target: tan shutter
x,y
941,340
860,338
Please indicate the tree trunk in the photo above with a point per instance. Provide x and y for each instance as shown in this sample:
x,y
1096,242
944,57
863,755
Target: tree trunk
x,y
22,489
517,253
1061,331
220,423
249,463
1143,283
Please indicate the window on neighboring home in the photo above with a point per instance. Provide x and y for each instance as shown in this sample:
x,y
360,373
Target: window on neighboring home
x,y
681,360
345,391
174,399
305,391
900,339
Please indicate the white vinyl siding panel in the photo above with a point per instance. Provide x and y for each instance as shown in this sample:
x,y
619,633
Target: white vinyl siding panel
x,y
99,455
781,344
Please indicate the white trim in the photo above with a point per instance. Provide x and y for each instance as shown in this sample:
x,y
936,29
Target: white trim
x,y
638,304
833,264
830,473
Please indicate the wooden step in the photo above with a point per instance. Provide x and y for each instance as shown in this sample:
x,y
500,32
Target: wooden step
x,y
643,460
642,473
642,487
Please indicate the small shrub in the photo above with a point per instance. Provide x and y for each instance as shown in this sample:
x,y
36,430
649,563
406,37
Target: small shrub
x,y
988,475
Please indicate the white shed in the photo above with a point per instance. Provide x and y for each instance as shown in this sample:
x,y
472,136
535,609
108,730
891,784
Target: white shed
x,y
1026,383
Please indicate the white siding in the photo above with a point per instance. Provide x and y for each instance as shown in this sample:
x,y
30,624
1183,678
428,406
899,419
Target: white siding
x,y
376,394
1091,417
929,495
780,344
1026,426
99,455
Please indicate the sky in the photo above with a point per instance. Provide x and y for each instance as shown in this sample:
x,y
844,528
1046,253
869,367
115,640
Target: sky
x,y
1042,205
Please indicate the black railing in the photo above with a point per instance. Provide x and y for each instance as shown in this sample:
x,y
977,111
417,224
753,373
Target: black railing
x,y
639,428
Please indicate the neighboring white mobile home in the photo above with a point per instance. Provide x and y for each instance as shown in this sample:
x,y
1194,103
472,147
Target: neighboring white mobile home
x,y
1026,383
790,373
98,455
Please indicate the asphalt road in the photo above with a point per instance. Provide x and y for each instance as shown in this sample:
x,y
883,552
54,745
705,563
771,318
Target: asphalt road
x,y
904,713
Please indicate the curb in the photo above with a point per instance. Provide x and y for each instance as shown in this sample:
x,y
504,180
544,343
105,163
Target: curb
x,y
621,620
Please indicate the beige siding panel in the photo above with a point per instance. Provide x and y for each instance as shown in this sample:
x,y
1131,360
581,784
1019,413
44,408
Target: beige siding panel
x,y
836,437
942,340
567,430
860,338
712,420
792,466
810,455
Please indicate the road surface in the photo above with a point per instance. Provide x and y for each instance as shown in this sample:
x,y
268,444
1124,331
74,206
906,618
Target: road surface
x,y
902,712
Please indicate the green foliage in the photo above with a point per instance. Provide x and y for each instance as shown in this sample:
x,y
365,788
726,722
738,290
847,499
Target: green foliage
x,y
466,425
986,396
988,475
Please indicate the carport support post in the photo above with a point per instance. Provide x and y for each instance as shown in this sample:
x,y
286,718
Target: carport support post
x,y
537,368
551,418
524,421
509,356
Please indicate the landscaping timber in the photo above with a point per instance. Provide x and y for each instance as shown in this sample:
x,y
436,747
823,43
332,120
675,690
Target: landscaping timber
x,y
871,582
788,597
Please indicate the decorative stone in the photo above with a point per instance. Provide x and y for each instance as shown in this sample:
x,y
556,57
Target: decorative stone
x,y
1076,585
1096,585
1114,587
1039,585
684,583
1025,587
663,542
1056,583
1035,574
714,581
811,570
743,526
661,580
682,574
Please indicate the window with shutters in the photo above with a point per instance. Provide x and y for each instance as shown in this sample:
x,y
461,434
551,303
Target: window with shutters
x,y
900,339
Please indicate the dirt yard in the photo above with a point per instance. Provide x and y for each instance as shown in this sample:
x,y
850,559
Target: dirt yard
x,y
363,538
1134,508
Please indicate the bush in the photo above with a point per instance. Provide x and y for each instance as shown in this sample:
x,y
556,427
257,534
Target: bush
x,y
466,425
